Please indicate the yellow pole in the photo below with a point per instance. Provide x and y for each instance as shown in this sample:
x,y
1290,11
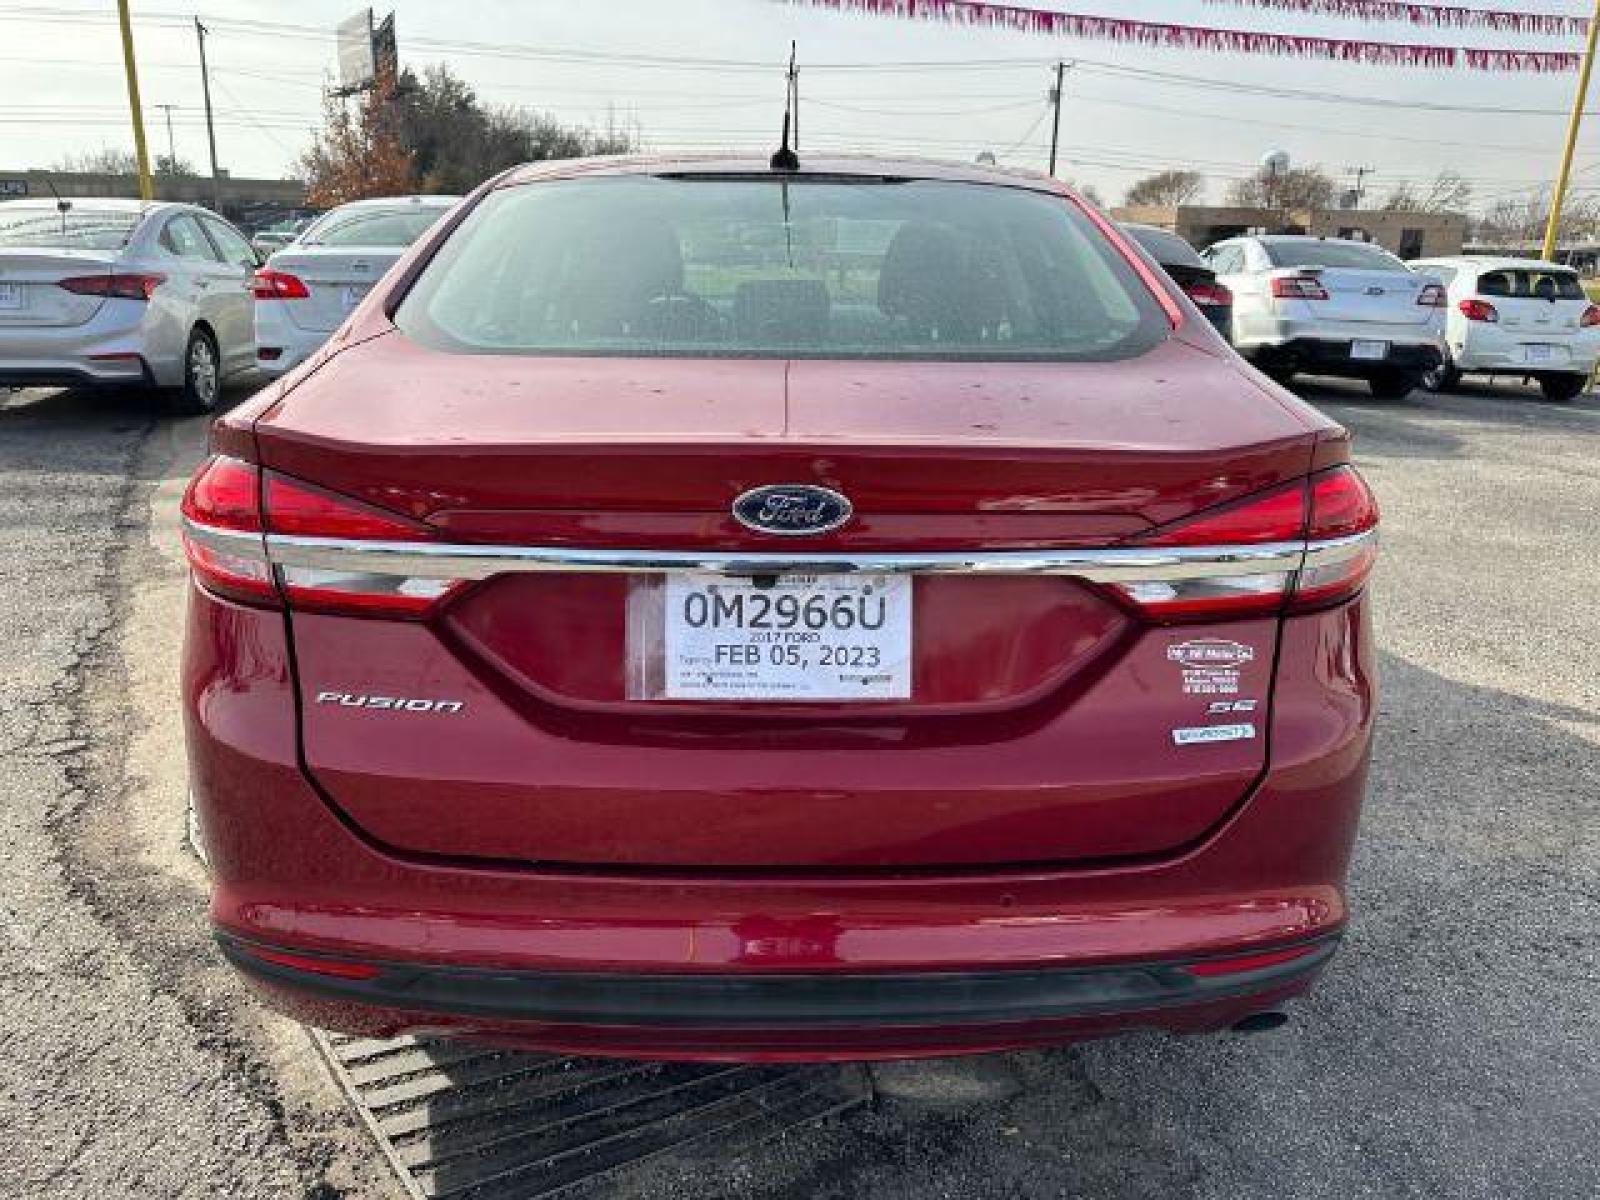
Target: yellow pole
x,y
1553,226
147,189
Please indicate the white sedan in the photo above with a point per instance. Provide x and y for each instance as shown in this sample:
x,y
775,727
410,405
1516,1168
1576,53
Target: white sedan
x,y
1516,316
1327,306
308,288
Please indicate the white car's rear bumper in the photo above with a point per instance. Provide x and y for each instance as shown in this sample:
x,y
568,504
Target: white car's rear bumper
x,y
281,345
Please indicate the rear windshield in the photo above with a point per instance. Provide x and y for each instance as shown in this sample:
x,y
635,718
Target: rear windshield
x,y
44,227
779,268
1168,249
1531,285
394,227
1332,254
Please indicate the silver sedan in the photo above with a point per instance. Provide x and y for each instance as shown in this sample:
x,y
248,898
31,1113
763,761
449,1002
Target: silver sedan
x,y
124,292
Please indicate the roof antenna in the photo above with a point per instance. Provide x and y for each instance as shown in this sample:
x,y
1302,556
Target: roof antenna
x,y
784,158
62,206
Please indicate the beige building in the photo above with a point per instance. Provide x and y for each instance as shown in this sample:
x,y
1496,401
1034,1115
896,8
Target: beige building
x,y
1408,234
238,195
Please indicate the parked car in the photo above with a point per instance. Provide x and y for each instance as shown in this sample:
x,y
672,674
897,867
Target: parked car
x,y
707,611
1515,316
123,292
1189,271
278,235
307,288
1331,307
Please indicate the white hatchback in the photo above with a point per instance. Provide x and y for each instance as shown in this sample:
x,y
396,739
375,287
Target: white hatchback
x,y
1516,316
308,288
1327,306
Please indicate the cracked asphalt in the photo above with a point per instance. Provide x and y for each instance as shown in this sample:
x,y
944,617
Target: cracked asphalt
x,y
1451,1051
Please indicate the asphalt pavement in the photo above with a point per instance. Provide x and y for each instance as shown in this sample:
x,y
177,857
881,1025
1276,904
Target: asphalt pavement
x,y
1451,1050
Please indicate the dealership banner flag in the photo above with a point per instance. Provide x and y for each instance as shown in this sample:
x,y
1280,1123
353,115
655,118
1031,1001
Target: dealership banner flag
x,y
1201,37
1444,16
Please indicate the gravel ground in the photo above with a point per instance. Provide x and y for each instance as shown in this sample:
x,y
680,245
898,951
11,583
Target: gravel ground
x,y
1450,1052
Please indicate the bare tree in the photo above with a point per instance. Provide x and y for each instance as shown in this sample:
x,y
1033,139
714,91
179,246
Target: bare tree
x,y
1448,192
1165,188
1520,219
108,160
1302,187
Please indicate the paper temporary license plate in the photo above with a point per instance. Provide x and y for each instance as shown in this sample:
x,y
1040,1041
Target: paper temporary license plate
x,y
11,295
801,637
1369,350
1537,352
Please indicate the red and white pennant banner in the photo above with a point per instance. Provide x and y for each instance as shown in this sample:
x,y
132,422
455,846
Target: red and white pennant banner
x,y
1441,15
1200,37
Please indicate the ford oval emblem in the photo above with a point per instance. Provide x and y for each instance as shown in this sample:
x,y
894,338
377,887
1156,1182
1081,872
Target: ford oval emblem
x,y
791,509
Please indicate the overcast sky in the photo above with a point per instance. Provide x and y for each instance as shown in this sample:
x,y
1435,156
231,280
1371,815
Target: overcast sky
x,y
64,90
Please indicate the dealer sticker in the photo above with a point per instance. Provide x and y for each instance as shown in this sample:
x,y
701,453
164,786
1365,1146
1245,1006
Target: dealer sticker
x,y
1210,665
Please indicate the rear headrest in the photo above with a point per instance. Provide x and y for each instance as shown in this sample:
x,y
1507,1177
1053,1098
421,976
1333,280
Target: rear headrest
x,y
937,280
781,310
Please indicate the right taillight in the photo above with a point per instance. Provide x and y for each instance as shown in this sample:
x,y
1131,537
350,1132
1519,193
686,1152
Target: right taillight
x,y
1591,317
1340,546
1305,545
1474,309
1298,287
1432,295
278,285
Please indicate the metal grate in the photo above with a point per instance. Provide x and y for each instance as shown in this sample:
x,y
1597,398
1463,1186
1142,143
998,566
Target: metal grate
x,y
472,1122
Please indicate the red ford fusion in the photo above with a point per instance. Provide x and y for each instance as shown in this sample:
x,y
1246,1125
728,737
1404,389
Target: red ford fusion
x,y
698,610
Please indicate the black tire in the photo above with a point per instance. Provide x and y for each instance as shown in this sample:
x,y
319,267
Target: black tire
x,y
1443,378
201,390
1563,388
1394,384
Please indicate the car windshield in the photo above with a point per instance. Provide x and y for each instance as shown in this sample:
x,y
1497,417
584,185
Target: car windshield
x,y
45,227
392,227
1332,254
769,267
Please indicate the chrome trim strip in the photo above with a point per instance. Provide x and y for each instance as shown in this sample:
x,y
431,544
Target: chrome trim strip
x,y
434,560
237,542
441,561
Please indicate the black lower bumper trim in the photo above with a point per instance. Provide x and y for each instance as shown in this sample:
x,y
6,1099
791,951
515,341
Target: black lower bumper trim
x,y
1333,357
777,1001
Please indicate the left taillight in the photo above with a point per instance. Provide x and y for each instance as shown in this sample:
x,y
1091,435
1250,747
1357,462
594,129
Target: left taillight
x,y
1210,295
257,537
223,534
126,286
1322,526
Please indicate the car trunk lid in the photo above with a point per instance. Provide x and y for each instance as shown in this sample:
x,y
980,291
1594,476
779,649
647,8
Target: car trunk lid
x,y
336,280
1358,296
1038,721
31,295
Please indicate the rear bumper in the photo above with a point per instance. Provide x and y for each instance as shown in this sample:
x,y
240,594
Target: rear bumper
x,y
120,344
803,1015
274,331
1331,357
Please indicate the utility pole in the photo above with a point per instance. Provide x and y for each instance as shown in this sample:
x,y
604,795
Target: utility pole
x,y
1361,174
1055,99
172,153
1553,226
211,130
147,189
